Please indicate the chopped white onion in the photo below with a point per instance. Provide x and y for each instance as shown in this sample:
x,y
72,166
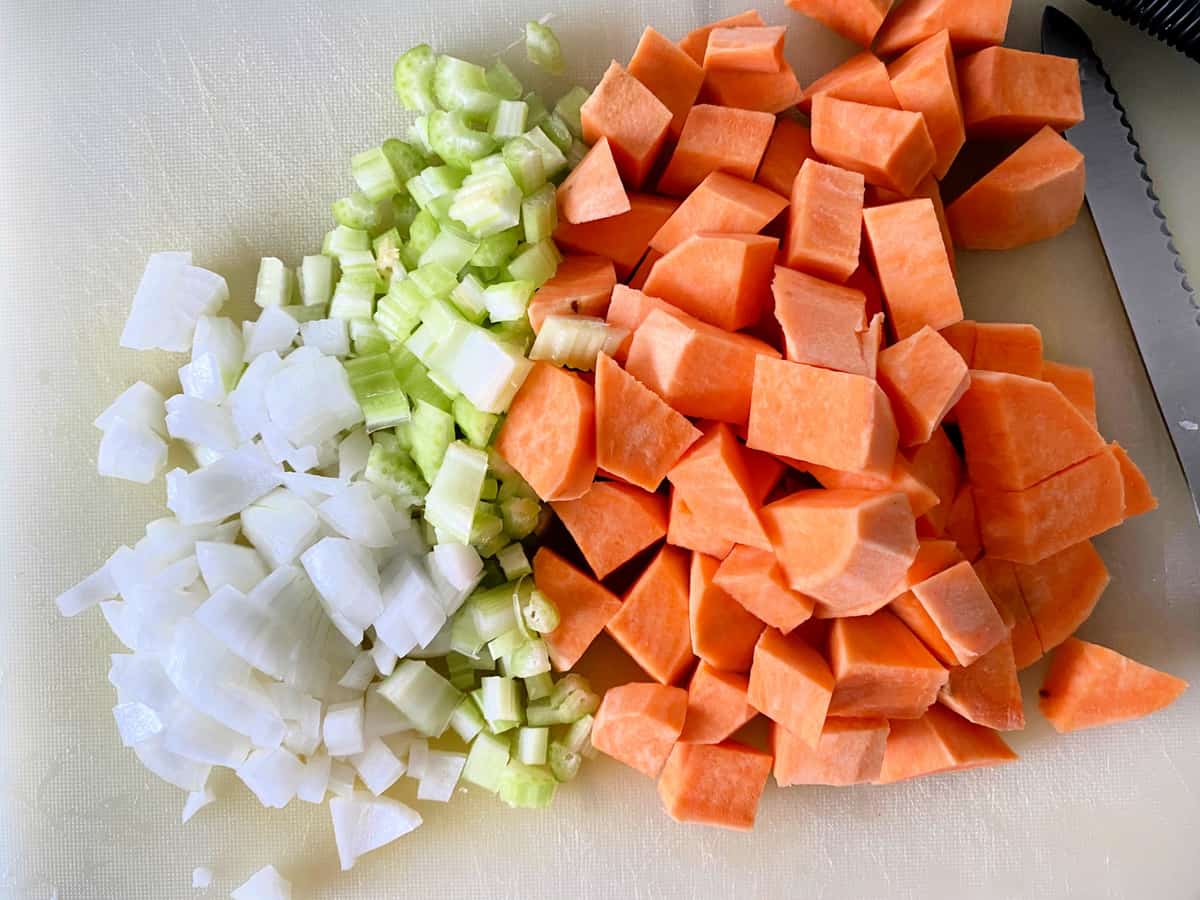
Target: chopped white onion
x,y
384,659
353,452
274,331
136,722
330,336
381,718
377,766
440,775
315,781
203,379
347,579
312,401
265,884
412,613
281,526
220,338
93,589
355,514
202,876
362,823
200,422
248,400
222,489
170,767
138,404
196,736
131,451
418,756
273,776
360,674
342,778
229,564
459,564
343,729
196,801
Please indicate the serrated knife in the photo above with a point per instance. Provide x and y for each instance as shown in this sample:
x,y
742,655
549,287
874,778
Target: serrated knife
x,y
1150,277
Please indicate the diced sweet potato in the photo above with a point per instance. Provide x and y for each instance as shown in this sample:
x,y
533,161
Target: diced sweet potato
x,y
670,73
890,147
716,139
972,24
939,741
635,122
791,684
855,20
1013,93
881,669
723,632
584,607
937,464
612,523
623,238
863,78
722,279
1061,591
1000,579
789,146
695,43
638,724
987,691
714,480
923,377
1013,347
753,578
717,705
962,526
652,624
746,48
825,221
962,610
925,81
581,286
850,751
1138,496
1077,384
824,324
593,190
720,203
714,784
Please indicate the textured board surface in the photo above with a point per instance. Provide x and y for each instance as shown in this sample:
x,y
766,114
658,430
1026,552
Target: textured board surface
x,y
226,128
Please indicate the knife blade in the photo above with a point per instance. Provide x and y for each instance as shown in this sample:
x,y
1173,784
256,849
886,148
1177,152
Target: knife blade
x,y
1149,274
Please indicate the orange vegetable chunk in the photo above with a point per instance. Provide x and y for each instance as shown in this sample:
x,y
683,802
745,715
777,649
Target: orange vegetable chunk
x,y
987,691
722,279
849,751
824,324
581,286
863,78
638,279
628,309
890,147
825,221
855,20
671,75
1061,591
972,24
713,479
716,139
906,246
1034,194
593,190
934,556
939,741
638,437
1138,496
623,238
961,336
856,434
635,122
746,48
638,724
612,523
652,624
962,526
931,191
881,669
1018,431
1077,384
790,683
771,92
753,578
699,369
937,464
717,705
921,497
1088,685
789,146
559,463
846,548
721,202
1009,93
696,42
723,632
925,81
961,608
999,577
584,607
714,784
1013,347
924,378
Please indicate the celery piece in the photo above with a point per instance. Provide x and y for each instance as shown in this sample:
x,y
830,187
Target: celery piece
x,y
520,516
492,612
434,181
464,637
359,265
539,612
511,482
487,533
352,300
539,687
567,109
373,173
564,762
542,48
435,281
542,712
383,401
492,164
275,283
526,787
508,119
467,298
535,263
423,696
491,487
418,134
454,490
575,697
304,314
532,744
386,248
578,736
404,211
487,203
486,761
406,159
343,240
529,659
431,432
459,85
576,341
497,249
501,699
575,153
537,108
556,129
506,643
502,82
421,232
467,721
462,673
449,250
391,469
412,78
553,160
356,211
514,563
477,426
494,726
506,301
399,311
439,208
526,163
315,280
415,379
367,337
539,213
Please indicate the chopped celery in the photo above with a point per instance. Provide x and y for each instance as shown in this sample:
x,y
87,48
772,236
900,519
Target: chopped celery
x,y
576,341
556,129
477,426
373,173
391,469
529,659
497,249
506,301
520,516
418,134
359,265
356,211
492,612
423,696
564,762
502,82
486,761
553,160
467,721
304,314
487,533
508,119
459,85
367,337
575,697
526,787
412,78
542,48
535,263
454,489
343,240
487,202
352,300
515,563
506,643
449,250
491,488
416,382
399,311
431,431
539,213
386,248
462,673
578,736
464,636
404,211
494,726
434,181
539,612
378,391
434,280
532,744
526,163
406,159
501,699
275,285
315,280
421,232
575,153
539,687
467,298
567,109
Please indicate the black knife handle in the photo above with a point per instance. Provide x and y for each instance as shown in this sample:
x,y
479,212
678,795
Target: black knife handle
x,y
1174,22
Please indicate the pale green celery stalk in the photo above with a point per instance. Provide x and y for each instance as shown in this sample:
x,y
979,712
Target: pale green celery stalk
x,y
352,300
532,744
536,263
508,119
434,280
467,721
404,211
519,516
459,85
578,736
576,341
462,674
449,250
491,487
475,425
386,248
399,311
356,211
558,132
367,337
553,160
502,82
304,314
406,159
492,612
275,285
487,533
464,636
542,48
497,249
373,173
416,382
345,240
421,232
567,109
358,265
539,612
454,490
424,697
501,699
467,298
486,761
529,659
455,141
418,134
507,301
539,687
537,108
575,153
439,208
492,164
506,643
511,482
526,787
575,697
487,203
431,431
517,334
316,280
391,469
564,762
412,78
434,181
526,163
539,213
494,726
383,401
514,562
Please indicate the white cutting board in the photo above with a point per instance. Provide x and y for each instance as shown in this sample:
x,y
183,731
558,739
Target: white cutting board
x,y
226,128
